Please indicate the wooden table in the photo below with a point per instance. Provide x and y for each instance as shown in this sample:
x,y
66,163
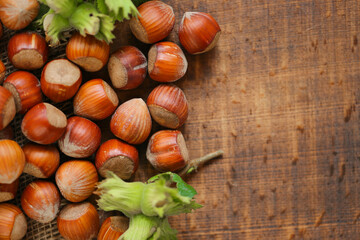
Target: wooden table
x,y
280,95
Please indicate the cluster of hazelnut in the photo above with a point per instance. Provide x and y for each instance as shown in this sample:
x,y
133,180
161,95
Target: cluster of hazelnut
x,y
78,136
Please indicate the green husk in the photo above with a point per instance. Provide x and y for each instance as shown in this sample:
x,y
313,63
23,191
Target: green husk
x,y
184,189
63,7
141,227
55,25
158,199
86,19
121,10
153,228
115,194
164,232
106,28
148,204
93,17
102,7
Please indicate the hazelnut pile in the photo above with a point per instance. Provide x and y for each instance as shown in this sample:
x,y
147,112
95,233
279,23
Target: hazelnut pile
x,y
79,136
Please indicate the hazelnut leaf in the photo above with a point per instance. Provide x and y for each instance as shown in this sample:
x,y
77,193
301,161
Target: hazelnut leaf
x,y
185,189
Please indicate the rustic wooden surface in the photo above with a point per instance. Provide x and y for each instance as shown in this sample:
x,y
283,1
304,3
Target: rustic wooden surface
x,y
279,94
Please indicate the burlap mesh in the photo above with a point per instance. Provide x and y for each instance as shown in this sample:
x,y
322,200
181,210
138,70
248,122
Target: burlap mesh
x,y
36,230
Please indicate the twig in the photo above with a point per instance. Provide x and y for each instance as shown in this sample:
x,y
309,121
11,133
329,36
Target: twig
x,y
195,163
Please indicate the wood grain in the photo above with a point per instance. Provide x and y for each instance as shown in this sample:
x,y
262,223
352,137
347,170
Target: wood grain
x,y
280,95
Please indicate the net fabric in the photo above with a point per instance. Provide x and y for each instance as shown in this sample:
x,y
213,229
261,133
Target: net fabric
x,y
36,230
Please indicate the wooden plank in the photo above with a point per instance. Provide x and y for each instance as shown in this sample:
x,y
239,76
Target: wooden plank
x,y
279,95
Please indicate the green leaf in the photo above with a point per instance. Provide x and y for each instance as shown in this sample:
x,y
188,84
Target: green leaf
x,y
184,189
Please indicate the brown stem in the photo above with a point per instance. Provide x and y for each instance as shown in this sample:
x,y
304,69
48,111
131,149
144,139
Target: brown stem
x,y
195,163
